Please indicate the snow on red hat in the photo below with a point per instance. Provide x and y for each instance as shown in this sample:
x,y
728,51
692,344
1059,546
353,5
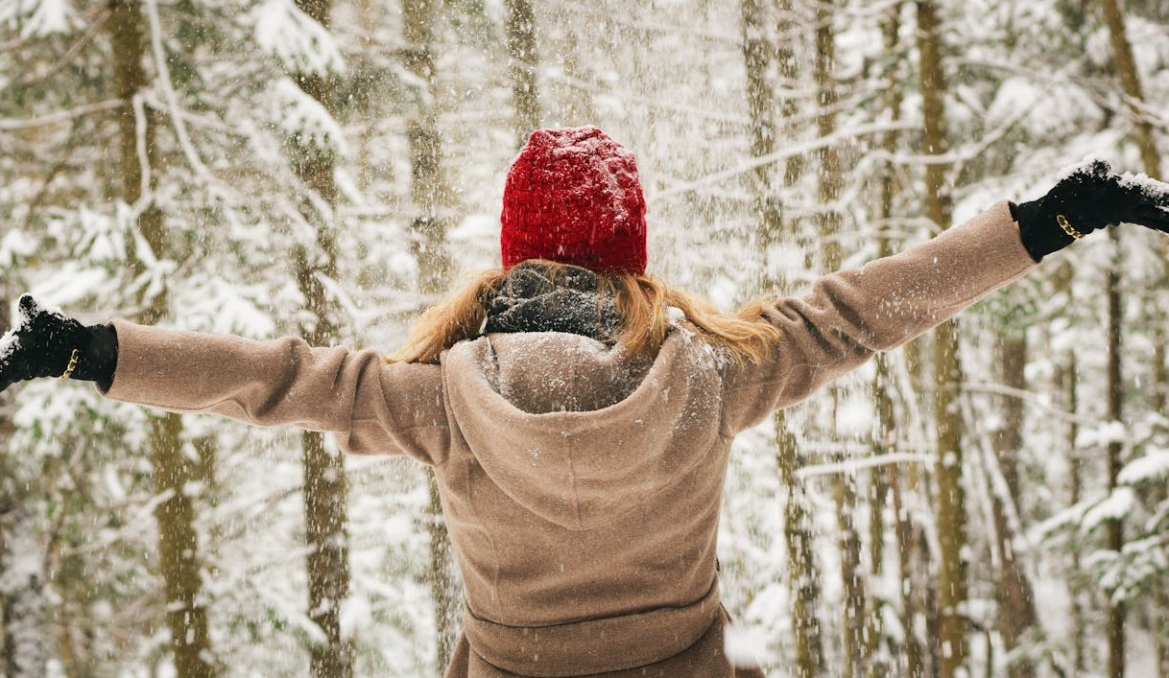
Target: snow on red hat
x,y
573,196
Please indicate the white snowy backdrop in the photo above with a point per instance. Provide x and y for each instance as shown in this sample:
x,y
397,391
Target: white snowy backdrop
x,y
1030,88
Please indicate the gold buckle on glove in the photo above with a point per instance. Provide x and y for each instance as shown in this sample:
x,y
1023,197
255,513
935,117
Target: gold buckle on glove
x,y
1067,227
73,357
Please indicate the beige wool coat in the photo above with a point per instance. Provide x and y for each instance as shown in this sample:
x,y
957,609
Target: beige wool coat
x,y
581,487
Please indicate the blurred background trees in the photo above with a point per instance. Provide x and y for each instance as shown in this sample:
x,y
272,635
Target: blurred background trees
x,y
990,500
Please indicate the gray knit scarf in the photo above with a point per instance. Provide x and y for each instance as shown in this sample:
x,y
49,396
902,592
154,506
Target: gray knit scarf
x,y
532,299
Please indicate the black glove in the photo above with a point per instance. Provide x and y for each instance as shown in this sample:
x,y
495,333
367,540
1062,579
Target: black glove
x,y
1091,197
48,344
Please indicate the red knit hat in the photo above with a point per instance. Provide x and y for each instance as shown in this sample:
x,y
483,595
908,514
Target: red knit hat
x,y
573,196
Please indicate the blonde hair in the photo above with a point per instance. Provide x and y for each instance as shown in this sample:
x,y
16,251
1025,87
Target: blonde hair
x,y
643,306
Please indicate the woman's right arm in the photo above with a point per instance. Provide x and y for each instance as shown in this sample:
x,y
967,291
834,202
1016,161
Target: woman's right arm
x,y
373,407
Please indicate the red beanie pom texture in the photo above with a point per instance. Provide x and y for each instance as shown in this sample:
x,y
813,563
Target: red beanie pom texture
x,y
573,196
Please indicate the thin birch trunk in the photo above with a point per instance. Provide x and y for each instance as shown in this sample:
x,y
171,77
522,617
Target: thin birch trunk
x,y
1143,135
1118,608
829,182
576,105
429,193
520,27
326,486
884,442
787,61
951,520
1161,629
1079,625
1066,382
803,575
1016,601
178,545
830,177
885,480
1130,82
918,590
758,57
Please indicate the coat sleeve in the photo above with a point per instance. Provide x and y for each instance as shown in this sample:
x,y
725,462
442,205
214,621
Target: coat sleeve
x,y
850,315
372,407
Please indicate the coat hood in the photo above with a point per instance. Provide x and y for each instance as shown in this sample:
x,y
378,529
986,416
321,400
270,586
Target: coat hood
x,y
577,432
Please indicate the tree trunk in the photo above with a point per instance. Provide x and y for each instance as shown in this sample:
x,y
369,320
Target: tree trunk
x,y
429,191
1161,629
434,265
1076,481
852,576
179,556
1016,601
430,194
1079,625
177,543
804,576
758,57
951,510
830,178
884,442
885,438
325,482
576,105
326,533
911,558
520,26
1145,139
761,52
829,182
1118,609
326,486
1065,384
787,59
951,519
1130,82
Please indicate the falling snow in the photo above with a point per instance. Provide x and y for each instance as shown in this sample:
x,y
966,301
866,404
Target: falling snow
x,y
239,227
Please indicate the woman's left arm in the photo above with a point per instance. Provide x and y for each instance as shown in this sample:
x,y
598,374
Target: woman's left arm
x,y
851,315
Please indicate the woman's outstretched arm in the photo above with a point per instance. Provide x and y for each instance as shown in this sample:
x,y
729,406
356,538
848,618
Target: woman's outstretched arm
x,y
373,407
850,315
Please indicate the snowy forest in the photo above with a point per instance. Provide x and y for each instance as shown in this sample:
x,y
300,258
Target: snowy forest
x,y
990,500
